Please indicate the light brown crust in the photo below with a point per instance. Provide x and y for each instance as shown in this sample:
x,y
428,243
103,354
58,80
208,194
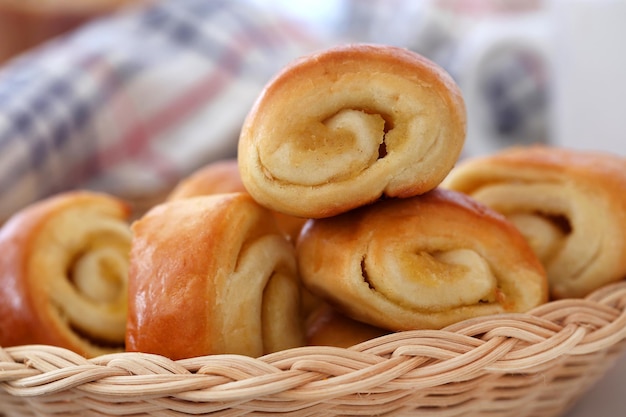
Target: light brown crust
x,y
421,262
217,177
211,275
223,177
327,327
63,274
570,204
340,128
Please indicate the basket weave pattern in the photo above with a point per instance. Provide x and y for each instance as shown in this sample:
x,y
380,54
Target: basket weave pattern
x,y
535,364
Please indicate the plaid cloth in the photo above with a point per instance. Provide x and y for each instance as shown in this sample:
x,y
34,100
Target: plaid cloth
x,y
132,103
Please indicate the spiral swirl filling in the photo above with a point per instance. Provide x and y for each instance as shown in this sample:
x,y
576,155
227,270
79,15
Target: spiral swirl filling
x,y
333,149
86,268
345,129
263,294
551,217
432,280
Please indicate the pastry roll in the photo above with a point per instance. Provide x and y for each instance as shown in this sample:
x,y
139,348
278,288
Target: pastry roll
x,y
217,177
63,274
420,263
340,128
569,204
212,275
328,327
223,177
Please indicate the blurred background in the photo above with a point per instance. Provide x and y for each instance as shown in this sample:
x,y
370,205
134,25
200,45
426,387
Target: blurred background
x,y
550,71
130,96
163,86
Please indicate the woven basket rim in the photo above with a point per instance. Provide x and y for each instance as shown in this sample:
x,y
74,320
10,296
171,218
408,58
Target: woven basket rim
x,y
415,360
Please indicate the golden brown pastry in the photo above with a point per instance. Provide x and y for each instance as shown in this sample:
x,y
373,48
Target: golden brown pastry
x,y
340,128
217,177
327,327
63,274
211,275
421,262
570,205
223,177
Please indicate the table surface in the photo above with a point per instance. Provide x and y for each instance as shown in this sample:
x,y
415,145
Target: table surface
x,y
607,398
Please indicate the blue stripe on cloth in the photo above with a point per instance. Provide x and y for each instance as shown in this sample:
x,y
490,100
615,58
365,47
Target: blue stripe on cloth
x,y
53,96
190,28
62,112
29,96
217,28
182,27
40,146
16,107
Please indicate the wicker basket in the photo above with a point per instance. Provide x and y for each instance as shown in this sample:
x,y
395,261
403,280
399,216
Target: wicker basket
x,y
535,364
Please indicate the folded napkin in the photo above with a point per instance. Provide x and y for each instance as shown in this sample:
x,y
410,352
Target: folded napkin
x,y
131,103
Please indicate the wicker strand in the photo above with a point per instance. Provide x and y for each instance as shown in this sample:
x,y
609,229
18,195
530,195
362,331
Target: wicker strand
x,y
534,364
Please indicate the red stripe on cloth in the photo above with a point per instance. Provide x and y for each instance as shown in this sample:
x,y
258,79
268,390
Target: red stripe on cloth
x,y
135,140
195,97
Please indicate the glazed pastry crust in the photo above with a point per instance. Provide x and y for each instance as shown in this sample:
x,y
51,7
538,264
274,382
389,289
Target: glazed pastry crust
x,y
214,178
421,262
570,204
223,177
340,128
327,327
63,274
212,275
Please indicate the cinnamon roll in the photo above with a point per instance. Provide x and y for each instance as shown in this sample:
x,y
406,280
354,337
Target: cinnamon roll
x,y
63,274
340,128
420,263
211,275
569,204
